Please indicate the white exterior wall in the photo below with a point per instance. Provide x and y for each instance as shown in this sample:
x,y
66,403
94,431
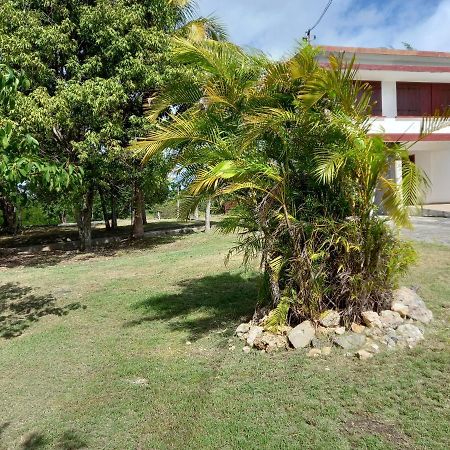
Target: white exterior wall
x,y
436,164
432,157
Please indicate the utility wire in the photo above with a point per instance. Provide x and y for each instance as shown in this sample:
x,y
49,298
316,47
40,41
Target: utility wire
x,y
308,32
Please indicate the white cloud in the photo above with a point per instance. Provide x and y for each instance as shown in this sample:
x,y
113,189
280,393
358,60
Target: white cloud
x,y
275,26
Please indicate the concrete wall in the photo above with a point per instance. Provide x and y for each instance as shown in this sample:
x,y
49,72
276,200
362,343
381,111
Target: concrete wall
x,y
436,164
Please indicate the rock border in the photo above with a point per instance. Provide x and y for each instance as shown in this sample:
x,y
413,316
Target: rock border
x,y
401,326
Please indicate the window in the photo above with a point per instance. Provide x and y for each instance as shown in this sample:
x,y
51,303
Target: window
x,y
419,99
375,97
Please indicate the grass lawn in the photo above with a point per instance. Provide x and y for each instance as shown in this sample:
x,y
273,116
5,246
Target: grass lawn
x,y
141,361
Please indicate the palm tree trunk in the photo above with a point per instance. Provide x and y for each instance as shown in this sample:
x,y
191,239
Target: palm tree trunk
x,y
208,216
196,213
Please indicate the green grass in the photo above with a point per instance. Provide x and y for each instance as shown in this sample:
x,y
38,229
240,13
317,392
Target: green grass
x,y
67,380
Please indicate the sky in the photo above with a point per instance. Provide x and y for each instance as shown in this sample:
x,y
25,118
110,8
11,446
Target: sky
x,y
275,26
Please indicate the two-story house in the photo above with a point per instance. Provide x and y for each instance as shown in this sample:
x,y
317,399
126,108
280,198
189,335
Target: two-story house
x,y
406,86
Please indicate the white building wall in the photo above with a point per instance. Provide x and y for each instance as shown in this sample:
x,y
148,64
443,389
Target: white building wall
x,y
389,98
436,164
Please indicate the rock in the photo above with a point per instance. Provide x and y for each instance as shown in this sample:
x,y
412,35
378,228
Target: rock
x,y
330,318
302,335
350,341
357,328
391,319
340,330
375,333
416,307
322,331
364,354
314,352
246,349
400,308
408,335
242,330
371,347
326,351
140,381
253,333
371,319
270,342
318,343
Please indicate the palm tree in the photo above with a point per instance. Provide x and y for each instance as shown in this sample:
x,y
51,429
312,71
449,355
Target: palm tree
x,y
289,140
182,22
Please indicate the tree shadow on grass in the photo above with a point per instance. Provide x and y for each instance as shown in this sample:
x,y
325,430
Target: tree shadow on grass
x,y
19,308
69,440
203,304
55,257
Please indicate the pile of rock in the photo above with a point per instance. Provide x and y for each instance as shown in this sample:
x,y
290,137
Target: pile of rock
x,y
399,327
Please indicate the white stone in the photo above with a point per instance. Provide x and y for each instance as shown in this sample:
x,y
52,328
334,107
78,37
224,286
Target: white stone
x,y
400,308
408,335
340,331
246,349
302,335
371,319
416,306
253,333
356,328
242,329
364,354
390,319
350,341
330,318
314,352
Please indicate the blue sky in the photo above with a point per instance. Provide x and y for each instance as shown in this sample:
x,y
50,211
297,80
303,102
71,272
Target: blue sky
x,y
274,26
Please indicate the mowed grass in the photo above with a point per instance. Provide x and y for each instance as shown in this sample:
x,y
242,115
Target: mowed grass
x,y
144,362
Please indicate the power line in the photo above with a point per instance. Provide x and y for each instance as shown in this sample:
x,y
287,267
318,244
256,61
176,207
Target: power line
x,y
308,32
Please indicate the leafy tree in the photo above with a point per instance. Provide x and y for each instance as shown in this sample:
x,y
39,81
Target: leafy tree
x,y
91,66
22,168
289,142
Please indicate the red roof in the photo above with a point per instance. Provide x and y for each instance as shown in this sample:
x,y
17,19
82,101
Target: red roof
x,y
384,51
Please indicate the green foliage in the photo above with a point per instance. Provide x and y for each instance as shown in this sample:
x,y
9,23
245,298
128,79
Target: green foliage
x,y
91,67
22,169
289,142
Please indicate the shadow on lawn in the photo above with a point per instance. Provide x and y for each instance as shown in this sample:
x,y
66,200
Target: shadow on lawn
x,y
203,305
19,309
69,440
53,258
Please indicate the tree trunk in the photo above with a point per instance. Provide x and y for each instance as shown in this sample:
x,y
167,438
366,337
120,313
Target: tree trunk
x,y
144,214
113,211
196,213
138,206
208,216
10,220
104,208
84,220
